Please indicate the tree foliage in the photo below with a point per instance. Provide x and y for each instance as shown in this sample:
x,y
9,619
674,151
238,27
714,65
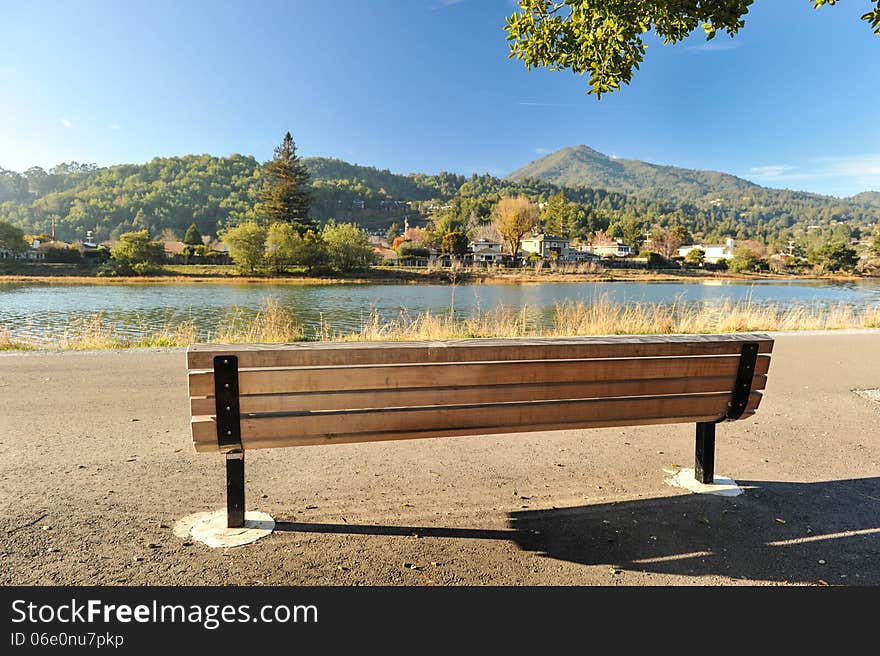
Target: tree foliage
x,y
695,256
746,260
285,195
515,217
667,241
137,248
408,249
164,193
604,38
833,255
562,217
192,237
283,244
247,244
134,254
454,243
12,238
310,250
348,247
217,193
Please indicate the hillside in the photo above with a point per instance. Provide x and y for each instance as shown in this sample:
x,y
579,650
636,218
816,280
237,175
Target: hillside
x,y
581,166
167,192
869,198
173,192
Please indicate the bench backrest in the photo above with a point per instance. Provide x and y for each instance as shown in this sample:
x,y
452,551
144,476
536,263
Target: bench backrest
x,y
330,392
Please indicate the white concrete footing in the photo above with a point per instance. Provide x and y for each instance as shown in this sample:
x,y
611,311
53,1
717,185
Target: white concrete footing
x,y
722,486
210,528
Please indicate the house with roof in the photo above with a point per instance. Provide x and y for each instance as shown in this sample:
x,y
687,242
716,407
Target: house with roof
x,y
549,247
484,252
714,252
612,248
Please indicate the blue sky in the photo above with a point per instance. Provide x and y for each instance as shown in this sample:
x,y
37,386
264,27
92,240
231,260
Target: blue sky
x,y
425,85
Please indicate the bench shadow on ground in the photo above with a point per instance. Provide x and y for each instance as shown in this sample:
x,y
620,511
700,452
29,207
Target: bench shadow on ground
x,y
796,532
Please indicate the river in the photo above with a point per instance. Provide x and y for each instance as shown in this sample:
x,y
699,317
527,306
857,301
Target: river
x,y
46,309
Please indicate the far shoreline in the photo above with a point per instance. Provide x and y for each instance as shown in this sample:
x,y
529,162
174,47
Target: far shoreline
x,y
385,276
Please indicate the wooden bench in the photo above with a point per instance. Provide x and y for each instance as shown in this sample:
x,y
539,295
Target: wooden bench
x,y
255,396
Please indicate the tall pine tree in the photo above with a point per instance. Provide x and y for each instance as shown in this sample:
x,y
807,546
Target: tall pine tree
x,y
285,194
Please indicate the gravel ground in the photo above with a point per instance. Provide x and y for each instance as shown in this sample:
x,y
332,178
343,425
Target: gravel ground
x,y
99,466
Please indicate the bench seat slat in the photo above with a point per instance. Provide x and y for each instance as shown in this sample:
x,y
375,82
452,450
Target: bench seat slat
x,y
343,426
200,356
407,376
310,401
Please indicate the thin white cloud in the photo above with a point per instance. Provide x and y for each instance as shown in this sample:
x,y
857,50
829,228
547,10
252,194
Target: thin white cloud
x,y
715,46
770,171
847,173
442,4
114,126
66,123
541,151
545,104
857,165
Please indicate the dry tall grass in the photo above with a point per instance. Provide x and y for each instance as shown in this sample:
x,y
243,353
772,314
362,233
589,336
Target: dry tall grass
x,y
275,324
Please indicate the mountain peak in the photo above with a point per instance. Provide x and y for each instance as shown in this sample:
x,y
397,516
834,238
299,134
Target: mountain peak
x,y
583,166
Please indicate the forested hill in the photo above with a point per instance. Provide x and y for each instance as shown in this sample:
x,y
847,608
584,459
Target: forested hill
x,y
168,192
172,192
869,198
370,181
581,166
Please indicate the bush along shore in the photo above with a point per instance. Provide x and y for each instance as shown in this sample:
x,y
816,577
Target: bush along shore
x,y
20,272
274,324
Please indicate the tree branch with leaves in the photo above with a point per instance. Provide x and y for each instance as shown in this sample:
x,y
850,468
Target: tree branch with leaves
x,y
604,38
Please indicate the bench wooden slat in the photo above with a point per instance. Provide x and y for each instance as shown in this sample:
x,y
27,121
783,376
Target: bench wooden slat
x,y
264,443
310,401
339,426
200,356
407,376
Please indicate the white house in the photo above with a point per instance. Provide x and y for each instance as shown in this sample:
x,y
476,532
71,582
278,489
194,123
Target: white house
x,y
714,252
612,249
547,246
485,251
583,253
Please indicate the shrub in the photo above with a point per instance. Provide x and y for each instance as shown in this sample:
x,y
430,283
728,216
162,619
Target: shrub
x,y
695,256
653,259
113,268
137,248
348,247
409,249
745,260
66,255
192,237
834,256
246,243
454,243
282,245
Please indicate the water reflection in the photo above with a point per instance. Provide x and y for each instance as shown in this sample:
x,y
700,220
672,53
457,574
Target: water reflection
x,y
48,309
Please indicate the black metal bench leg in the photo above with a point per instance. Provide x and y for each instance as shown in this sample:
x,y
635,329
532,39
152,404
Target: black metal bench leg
x,y
704,468
235,489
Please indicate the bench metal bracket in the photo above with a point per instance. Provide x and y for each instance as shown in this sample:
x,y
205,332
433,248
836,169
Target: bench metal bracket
x,y
742,389
229,435
235,489
226,403
704,461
